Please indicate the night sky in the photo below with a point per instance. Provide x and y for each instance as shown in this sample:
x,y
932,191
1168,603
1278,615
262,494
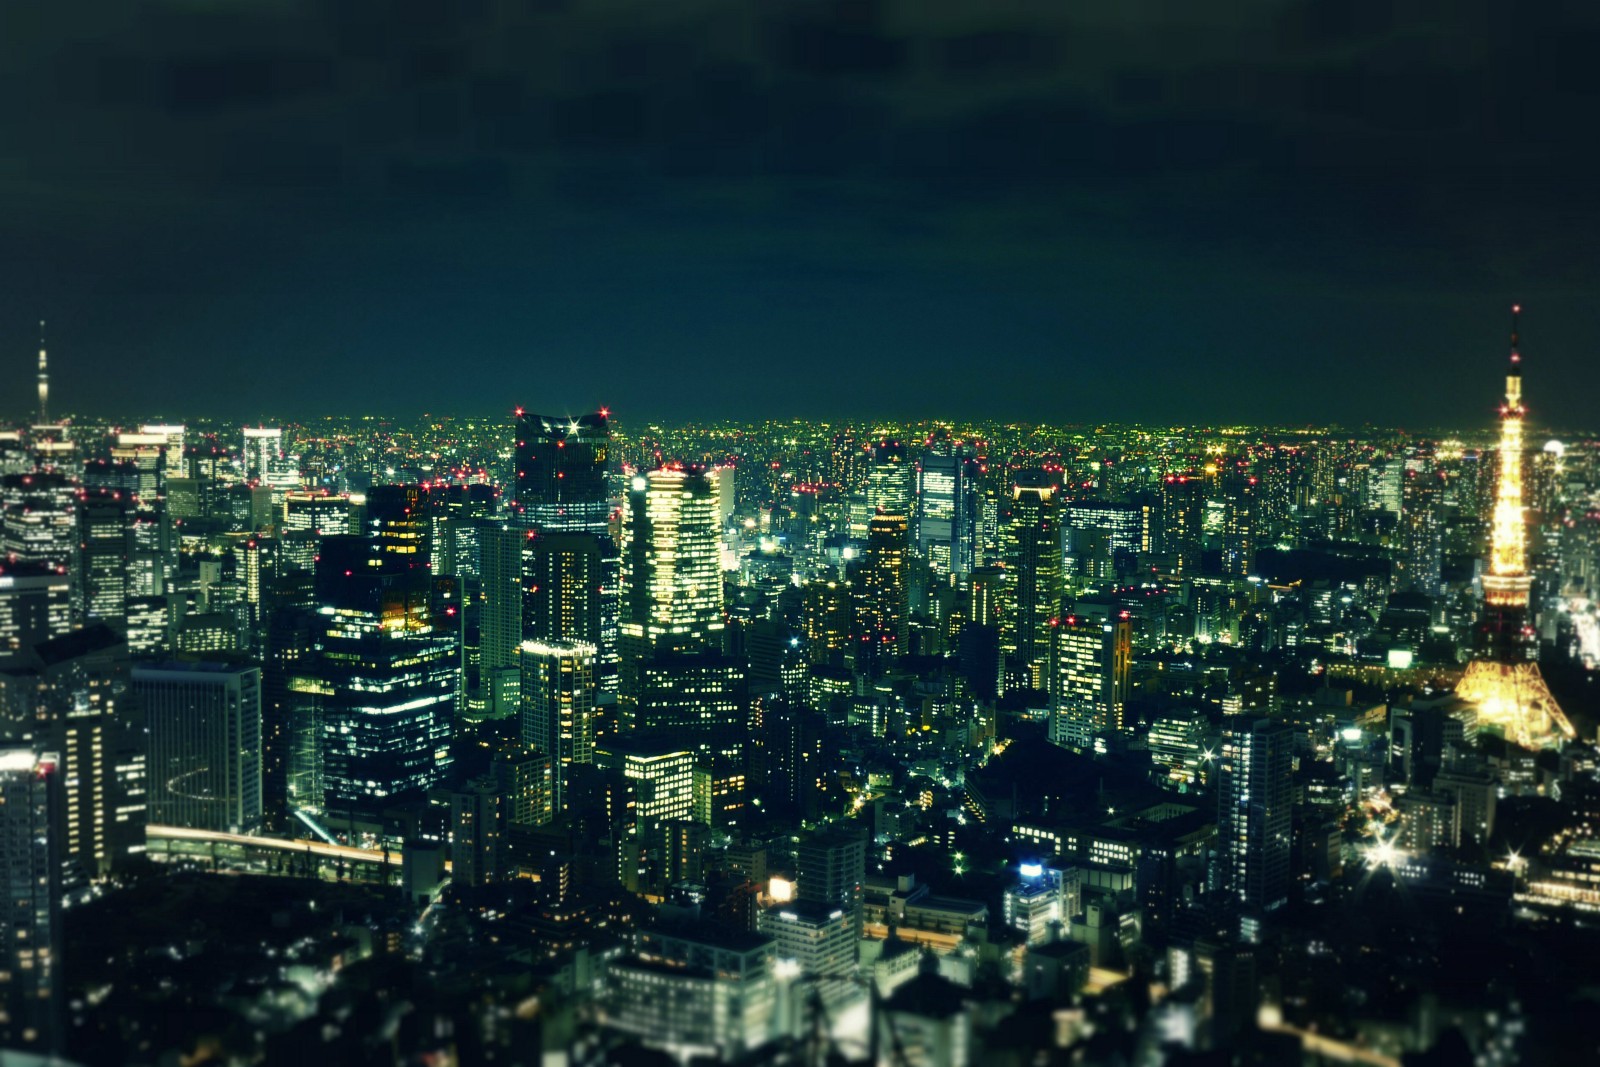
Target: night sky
x,y
1177,210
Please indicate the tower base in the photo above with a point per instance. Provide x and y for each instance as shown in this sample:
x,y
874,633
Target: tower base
x,y
1515,698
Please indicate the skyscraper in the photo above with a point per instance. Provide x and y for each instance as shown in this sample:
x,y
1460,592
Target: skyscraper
x,y
671,572
1102,537
35,605
562,465
947,512
204,728
1034,560
30,872
72,695
1255,800
104,526
387,671
1183,506
1089,684
558,701
883,592
501,555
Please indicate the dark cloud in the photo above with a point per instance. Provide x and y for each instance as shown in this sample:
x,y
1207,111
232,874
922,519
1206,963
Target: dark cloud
x,y
1265,209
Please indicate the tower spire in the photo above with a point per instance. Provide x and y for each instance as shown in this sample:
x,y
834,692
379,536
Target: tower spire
x,y
44,380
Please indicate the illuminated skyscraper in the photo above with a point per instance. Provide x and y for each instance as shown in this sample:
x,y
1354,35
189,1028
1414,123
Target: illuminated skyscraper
x,y
1103,537
387,673
39,520
882,587
263,448
30,872
1255,801
35,605
558,700
1241,502
1033,561
1504,681
104,519
76,688
566,575
203,723
947,511
1089,686
562,465
562,472
671,572
891,479
1183,506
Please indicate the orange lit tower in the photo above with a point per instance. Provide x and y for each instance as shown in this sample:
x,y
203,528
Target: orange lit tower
x,y
1504,680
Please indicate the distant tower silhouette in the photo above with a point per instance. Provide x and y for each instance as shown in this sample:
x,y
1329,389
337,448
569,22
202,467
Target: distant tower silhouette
x,y
1504,681
44,380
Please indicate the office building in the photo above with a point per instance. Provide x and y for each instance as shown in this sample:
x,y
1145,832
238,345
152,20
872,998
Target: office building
x,y
558,706
35,605
671,572
1255,801
76,687
203,723
1092,655
882,585
699,990
104,525
30,957
562,464
1033,560
947,509
386,677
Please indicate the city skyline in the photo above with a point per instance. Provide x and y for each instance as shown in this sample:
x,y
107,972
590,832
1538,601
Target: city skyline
x,y
960,533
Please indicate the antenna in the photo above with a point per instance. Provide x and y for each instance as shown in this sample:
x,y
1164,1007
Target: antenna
x,y
1516,315
44,380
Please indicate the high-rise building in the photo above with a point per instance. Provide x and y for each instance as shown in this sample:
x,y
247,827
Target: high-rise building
x,y
104,524
1423,528
671,572
477,822
882,586
30,959
1242,518
1103,537
701,698
1034,559
203,722
39,518
263,448
1183,507
831,870
947,509
1504,682
70,694
562,464
501,554
891,479
571,595
558,703
386,671
1089,684
1255,801
35,605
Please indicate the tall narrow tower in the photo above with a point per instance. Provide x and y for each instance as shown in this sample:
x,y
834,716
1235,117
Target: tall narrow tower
x,y
44,380
1504,680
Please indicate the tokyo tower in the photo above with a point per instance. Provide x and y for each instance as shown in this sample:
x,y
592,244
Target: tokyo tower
x,y
1503,681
